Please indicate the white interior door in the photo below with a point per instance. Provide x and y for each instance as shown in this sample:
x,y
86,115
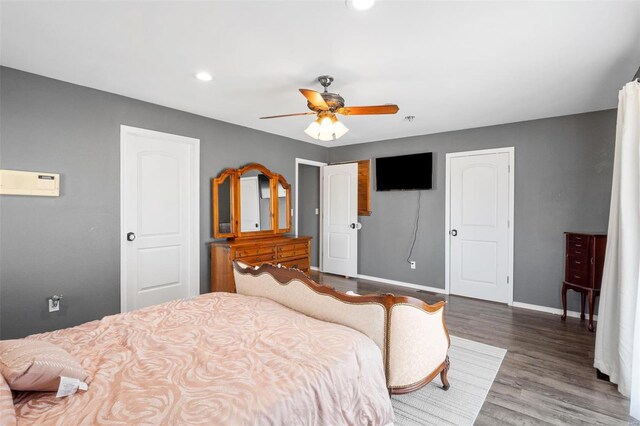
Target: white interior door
x,y
250,204
479,226
160,210
340,219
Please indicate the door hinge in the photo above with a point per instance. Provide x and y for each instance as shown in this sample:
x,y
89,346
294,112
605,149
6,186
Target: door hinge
x,y
509,168
508,224
507,279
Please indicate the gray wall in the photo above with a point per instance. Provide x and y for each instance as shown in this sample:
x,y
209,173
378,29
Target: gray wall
x,y
309,193
563,169
71,244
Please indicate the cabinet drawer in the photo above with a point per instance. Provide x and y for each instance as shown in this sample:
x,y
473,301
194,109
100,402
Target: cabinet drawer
x,y
292,253
302,264
578,238
293,250
258,260
296,246
578,277
578,248
254,251
577,263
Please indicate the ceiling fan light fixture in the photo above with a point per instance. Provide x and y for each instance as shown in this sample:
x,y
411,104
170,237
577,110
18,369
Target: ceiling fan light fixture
x,y
360,4
339,129
313,130
326,128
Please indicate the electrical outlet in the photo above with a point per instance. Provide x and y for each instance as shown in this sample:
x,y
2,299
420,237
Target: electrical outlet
x,y
413,264
317,212
54,305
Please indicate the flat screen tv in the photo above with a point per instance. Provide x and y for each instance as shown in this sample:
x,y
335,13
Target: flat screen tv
x,y
404,172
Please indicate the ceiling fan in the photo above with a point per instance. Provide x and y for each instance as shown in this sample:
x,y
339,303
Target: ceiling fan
x,y
326,105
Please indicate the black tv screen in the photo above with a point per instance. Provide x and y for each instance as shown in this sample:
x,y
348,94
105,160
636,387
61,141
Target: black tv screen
x,y
404,172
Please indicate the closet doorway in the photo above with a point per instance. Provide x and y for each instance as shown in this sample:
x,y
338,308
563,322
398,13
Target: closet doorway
x,y
479,224
308,207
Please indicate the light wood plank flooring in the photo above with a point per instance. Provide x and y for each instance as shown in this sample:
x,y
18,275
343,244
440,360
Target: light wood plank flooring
x,y
547,376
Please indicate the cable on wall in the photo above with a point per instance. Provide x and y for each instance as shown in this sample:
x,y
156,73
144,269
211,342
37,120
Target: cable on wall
x,y
415,229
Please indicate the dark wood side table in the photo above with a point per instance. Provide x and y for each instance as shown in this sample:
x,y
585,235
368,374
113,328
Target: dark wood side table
x,y
584,262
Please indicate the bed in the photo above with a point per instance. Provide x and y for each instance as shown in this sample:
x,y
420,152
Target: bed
x,y
242,359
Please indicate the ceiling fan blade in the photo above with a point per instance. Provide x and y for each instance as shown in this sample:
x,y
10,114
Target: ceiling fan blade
x,y
314,98
368,110
288,115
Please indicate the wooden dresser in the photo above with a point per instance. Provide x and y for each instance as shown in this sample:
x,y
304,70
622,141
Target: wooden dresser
x,y
584,262
292,252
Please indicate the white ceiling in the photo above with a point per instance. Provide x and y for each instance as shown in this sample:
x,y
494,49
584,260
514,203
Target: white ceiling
x,y
453,65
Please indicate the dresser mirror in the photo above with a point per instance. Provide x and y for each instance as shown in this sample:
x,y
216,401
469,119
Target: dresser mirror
x,y
284,205
223,205
255,202
250,202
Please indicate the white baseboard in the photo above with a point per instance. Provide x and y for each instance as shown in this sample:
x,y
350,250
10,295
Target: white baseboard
x,y
556,311
402,284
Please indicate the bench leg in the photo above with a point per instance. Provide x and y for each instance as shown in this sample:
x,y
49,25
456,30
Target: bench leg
x,y
443,374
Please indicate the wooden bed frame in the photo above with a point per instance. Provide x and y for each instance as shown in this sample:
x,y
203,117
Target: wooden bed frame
x,y
285,276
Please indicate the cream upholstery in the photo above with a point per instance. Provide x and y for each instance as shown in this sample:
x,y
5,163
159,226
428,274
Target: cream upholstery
x,y
368,318
418,344
417,340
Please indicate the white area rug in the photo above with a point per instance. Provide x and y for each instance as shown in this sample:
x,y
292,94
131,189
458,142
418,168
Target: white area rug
x,y
473,369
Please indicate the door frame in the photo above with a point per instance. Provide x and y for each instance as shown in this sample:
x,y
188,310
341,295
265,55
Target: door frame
x,y
447,261
125,131
319,165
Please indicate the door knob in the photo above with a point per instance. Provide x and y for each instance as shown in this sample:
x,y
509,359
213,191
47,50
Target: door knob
x,y
352,226
131,236
453,232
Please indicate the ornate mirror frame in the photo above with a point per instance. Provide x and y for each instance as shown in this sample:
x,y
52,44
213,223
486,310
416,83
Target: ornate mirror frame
x,y
280,180
215,203
234,175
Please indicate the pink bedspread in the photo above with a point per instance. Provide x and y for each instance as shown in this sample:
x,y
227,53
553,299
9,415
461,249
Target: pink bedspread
x,y
217,359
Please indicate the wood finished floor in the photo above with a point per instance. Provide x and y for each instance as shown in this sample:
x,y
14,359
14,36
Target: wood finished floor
x,y
547,376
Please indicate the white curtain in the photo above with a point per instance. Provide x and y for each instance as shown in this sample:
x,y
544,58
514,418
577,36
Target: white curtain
x,y
617,350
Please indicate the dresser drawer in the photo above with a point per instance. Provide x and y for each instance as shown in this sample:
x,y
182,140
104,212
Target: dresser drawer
x,y
578,238
293,250
293,253
259,260
302,264
578,277
578,248
255,251
577,264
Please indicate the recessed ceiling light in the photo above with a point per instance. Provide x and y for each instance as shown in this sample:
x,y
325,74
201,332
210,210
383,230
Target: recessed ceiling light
x,y
360,4
204,76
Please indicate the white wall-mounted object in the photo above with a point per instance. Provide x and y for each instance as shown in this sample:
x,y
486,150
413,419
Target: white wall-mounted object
x,y
17,182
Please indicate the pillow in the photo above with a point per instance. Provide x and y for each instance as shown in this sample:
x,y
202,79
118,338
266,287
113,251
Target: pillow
x,y
7,411
36,365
